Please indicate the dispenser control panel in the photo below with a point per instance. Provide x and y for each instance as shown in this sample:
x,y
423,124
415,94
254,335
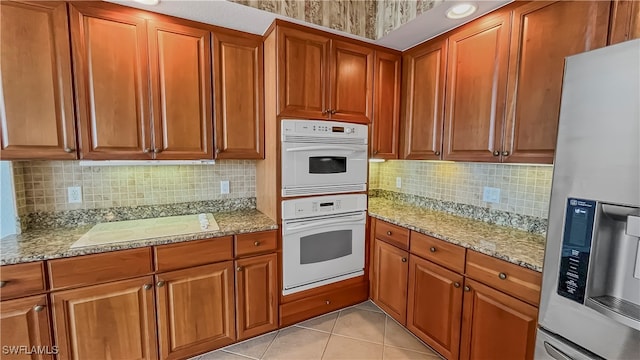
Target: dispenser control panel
x,y
576,248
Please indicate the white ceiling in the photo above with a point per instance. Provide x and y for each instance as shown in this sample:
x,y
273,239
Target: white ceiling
x,y
244,18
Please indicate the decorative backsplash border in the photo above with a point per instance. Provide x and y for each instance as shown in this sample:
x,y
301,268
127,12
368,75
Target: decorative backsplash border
x,y
530,224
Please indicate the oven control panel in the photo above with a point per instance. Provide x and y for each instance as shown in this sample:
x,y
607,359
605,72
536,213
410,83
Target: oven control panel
x,y
323,205
576,248
323,129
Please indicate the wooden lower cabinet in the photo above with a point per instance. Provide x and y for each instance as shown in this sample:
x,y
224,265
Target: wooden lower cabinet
x,y
196,311
25,322
434,308
390,273
256,295
109,321
496,325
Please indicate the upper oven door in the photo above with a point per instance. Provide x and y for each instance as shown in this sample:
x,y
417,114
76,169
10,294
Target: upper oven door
x,y
309,164
315,250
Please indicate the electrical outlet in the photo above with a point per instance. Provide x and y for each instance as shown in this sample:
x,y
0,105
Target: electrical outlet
x,y
224,187
491,195
399,182
74,194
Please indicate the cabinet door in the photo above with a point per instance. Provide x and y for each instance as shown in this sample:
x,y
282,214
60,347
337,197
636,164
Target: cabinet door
x,y
496,325
111,82
541,37
390,273
25,322
239,93
36,105
195,310
257,295
423,82
303,71
351,82
109,321
434,309
625,21
386,103
180,68
476,84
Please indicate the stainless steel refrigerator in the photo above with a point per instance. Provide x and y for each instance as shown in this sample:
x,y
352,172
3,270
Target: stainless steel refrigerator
x,y
590,305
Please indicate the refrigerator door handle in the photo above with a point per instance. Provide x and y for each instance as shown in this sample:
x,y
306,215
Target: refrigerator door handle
x,y
555,353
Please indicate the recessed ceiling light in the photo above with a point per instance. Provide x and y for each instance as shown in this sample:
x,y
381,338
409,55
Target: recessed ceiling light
x,y
460,11
147,2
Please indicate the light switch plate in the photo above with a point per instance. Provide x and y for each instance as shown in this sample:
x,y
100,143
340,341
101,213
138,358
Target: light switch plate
x,y
224,187
491,195
399,182
74,194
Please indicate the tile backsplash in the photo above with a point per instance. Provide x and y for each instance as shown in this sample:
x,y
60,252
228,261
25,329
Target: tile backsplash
x,y
524,189
41,186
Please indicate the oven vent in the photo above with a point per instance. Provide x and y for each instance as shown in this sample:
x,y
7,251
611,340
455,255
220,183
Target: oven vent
x,y
324,140
318,190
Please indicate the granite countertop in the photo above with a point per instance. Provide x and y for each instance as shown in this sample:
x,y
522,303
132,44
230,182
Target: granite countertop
x,y
55,243
512,245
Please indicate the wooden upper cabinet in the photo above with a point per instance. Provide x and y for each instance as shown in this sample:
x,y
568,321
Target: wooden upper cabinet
x,y
476,84
496,325
25,322
351,82
36,103
256,295
111,83
109,321
386,104
303,71
239,95
625,21
541,37
423,85
390,274
180,68
196,312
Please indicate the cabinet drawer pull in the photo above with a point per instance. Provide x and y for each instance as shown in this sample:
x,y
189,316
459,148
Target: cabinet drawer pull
x,y
3,283
69,150
404,259
327,302
432,249
502,276
257,243
496,153
38,308
389,233
160,283
147,286
456,284
239,268
466,288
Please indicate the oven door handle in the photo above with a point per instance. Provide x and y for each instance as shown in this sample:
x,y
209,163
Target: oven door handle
x,y
295,228
362,148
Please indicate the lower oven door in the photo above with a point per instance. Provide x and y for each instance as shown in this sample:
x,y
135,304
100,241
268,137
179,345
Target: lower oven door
x,y
322,250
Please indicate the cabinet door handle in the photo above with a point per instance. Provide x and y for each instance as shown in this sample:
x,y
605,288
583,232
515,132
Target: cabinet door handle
x,y
157,151
404,259
432,249
496,153
436,153
160,283
147,286
502,276
146,150
69,150
218,151
38,308
257,243
332,111
325,112
389,233
327,302
466,288
239,268
456,284
505,153
3,283
375,152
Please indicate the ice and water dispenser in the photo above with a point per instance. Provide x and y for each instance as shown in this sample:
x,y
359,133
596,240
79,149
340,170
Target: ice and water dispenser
x,y
600,264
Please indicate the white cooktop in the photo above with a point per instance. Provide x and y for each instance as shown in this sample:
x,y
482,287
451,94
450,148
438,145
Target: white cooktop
x,y
131,230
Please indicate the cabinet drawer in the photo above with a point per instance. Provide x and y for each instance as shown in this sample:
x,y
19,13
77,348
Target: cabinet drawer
x,y
21,280
97,268
509,278
395,235
438,251
193,253
296,311
254,243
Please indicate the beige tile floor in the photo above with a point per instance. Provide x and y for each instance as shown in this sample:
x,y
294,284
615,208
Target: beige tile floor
x,y
362,331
